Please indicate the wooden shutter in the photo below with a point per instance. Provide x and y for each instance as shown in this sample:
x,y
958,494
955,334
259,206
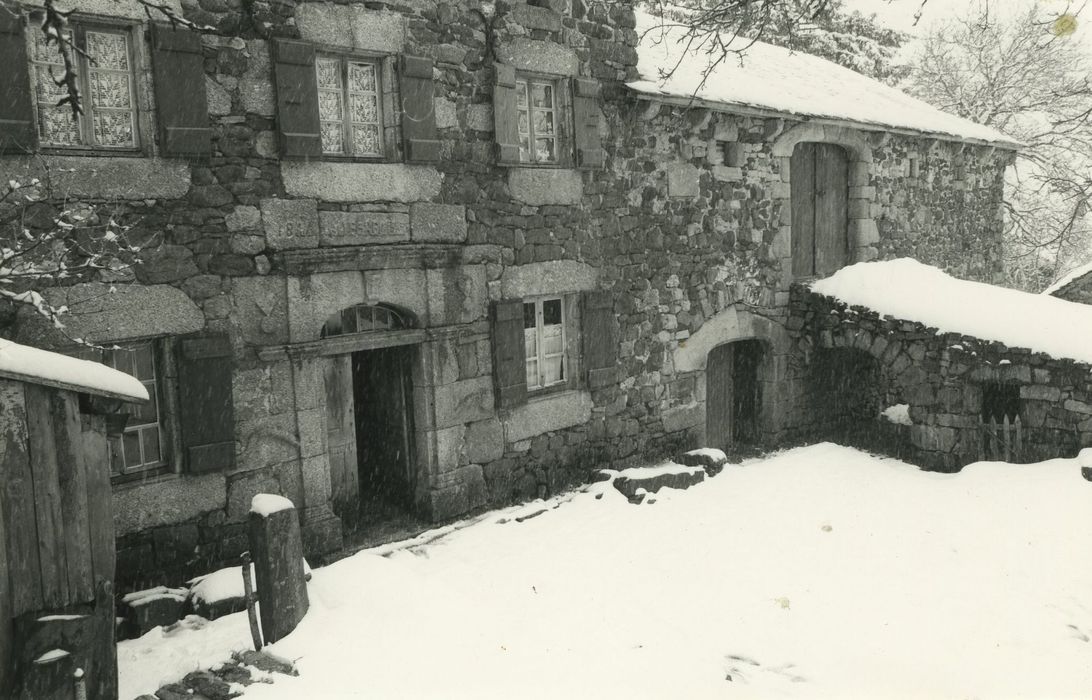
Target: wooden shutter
x,y
509,361
589,148
802,185
207,421
17,130
297,99
600,345
505,118
831,208
418,111
181,105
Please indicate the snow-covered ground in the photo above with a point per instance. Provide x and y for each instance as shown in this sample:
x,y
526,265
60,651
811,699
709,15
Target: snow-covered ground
x,y
816,572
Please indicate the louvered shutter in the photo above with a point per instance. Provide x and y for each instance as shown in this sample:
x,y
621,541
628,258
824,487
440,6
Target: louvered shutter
x,y
297,99
600,345
418,111
206,422
589,147
505,118
17,131
509,361
181,105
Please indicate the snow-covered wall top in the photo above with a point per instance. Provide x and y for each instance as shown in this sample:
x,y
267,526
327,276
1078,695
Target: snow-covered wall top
x,y
774,78
37,366
1068,278
909,290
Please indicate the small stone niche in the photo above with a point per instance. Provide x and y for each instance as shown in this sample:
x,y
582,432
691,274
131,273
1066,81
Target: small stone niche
x,y
1000,401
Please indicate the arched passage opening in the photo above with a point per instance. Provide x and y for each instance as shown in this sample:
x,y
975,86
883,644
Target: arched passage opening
x,y
733,396
369,414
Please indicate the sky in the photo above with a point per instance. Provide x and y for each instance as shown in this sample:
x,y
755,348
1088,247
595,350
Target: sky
x,y
899,14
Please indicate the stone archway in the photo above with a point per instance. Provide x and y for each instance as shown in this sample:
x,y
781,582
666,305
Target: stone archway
x,y
863,232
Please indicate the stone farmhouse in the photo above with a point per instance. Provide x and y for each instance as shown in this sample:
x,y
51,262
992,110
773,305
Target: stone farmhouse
x,y
420,258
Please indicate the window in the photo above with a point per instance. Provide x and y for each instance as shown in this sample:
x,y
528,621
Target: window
x,y
142,446
349,109
544,342
365,317
537,113
104,66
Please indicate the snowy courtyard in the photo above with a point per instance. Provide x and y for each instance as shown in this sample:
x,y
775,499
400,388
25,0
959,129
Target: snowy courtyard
x,y
814,572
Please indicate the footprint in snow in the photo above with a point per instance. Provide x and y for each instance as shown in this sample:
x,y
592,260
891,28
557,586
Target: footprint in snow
x,y
743,669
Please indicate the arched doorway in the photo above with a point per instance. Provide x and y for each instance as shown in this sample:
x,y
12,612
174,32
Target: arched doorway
x,y
733,398
369,416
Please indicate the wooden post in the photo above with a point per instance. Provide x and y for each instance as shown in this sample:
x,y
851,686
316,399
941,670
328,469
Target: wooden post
x,y
251,599
278,564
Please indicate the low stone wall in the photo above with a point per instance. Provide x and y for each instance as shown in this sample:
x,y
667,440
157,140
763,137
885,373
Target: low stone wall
x,y
941,376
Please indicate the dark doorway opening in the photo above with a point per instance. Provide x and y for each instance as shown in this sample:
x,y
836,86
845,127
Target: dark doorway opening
x,y
370,438
733,396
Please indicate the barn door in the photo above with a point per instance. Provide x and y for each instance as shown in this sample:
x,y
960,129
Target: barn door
x,y
820,209
341,436
719,404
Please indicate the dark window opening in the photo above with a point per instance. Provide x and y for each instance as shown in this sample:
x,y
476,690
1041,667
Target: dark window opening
x,y
1000,401
363,318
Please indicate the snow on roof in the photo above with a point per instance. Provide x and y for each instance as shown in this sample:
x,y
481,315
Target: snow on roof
x,y
37,366
774,78
909,290
1068,278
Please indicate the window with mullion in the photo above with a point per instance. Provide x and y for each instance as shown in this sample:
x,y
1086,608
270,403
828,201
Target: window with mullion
x,y
104,67
536,108
544,342
141,447
349,110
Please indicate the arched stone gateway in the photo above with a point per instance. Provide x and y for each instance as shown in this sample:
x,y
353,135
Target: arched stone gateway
x,y
738,359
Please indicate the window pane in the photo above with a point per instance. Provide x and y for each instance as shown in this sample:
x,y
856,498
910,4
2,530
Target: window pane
x,y
542,95
529,315
56,125
110,89
131,442
521,93
365,139
551,311
361,77
523,121
530,342
143,364
144,414
151,445
111,51
121,360
532,373
544,123
551,370
544,149
329,77
113,129
552,340
524,149
331,137
365,108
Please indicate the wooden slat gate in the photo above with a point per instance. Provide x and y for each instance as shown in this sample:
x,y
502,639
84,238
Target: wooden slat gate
x,y
57,558
1001,441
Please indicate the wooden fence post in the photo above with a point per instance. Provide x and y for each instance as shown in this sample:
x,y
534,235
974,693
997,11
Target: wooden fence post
x,y
278,564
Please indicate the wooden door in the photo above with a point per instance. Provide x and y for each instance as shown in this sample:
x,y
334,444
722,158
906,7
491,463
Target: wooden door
x,y
820,209
384,402
719,390
746,400
341,436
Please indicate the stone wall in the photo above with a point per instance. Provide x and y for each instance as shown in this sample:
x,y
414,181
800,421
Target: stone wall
x,y
942,376
688,225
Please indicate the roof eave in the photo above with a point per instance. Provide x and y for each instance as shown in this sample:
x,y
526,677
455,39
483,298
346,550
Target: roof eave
x,y
768,113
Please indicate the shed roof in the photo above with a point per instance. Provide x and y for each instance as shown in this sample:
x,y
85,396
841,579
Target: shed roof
x,y
775,79
912,291
1077,274
36,366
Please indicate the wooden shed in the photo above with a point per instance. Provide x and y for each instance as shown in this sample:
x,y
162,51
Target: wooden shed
x,y
56,526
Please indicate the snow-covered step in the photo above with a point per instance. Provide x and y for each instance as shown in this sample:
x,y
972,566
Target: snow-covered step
x,y
708,458
637,482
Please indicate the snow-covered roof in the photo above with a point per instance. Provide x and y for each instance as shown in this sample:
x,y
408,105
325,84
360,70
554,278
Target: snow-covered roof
x,y
1068,278
36,366
776,79
912,291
